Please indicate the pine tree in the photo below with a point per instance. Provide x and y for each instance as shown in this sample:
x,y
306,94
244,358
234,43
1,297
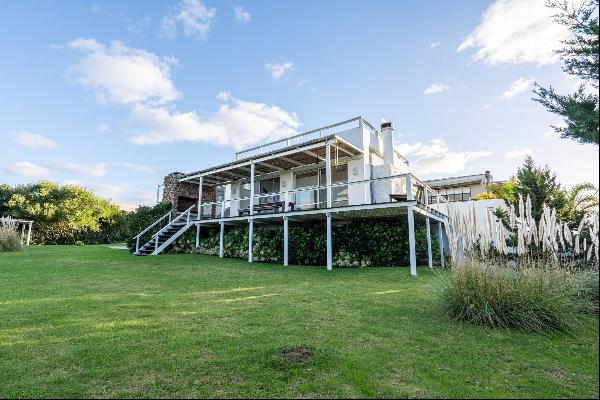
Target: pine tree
x,y
580,57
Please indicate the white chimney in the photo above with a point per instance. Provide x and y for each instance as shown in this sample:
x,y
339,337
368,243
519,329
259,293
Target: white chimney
x,y
387,131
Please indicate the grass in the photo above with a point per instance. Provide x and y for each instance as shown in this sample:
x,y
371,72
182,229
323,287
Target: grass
x,y
97,322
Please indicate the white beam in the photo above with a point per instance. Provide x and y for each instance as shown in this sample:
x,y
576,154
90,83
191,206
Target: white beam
x,y
441,240
221,240
329,243
409,193
28,233
328,173
411,241
291,161
285,241
276,168
252,172
429,255
199,210
250,239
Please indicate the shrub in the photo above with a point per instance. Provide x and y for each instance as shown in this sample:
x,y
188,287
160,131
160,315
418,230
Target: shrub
x,y
534,298
79,243
363,243
587,286
9,238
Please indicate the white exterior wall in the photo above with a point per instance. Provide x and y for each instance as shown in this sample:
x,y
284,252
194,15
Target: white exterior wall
x,y
352,136
365,167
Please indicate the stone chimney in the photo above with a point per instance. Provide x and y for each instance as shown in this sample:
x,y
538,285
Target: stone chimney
x,y
488,177
387,131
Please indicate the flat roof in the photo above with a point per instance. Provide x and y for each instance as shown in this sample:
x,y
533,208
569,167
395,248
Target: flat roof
x,y
456,180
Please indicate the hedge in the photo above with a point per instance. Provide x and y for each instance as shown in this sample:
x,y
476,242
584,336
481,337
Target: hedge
x,y
362,243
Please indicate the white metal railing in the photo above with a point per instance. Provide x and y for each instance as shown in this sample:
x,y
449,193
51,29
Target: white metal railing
x,y
158,221
304,137
369,191
186,214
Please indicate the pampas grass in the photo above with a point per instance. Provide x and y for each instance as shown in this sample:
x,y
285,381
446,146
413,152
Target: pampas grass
x,y
525,274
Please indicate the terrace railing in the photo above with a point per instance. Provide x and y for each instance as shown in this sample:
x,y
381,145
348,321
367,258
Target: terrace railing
x,y
307,137
404,187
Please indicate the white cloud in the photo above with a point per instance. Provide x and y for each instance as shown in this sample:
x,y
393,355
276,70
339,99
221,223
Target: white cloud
x,y
103,128
518,86
436,157
277,70
486,106
436,88
121,74
95,170
28,139
108,191
434,45
137,167
516,31
237,122
242,15
193,16
135,25
26,169
518,153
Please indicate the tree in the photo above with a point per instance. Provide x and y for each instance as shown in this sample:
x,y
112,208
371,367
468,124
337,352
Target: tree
x,y
579,110
542,185
62,214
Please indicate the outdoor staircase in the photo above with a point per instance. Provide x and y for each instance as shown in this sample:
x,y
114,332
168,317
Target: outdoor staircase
x,y
172,229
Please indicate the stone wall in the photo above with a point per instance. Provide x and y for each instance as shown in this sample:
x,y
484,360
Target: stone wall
x,y
181,194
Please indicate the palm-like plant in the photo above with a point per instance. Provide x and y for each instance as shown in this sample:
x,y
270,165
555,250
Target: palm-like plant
x,y
581,201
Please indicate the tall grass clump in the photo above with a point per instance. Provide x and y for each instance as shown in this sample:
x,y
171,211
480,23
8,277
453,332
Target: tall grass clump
x,y
9,237
538,276
534,299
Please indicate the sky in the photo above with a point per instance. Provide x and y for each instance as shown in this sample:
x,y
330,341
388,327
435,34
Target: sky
x,y
115,95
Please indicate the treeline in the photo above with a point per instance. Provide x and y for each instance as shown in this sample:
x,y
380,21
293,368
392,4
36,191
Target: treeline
x,y
65,214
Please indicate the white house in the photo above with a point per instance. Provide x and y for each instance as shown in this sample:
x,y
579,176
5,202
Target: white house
x,y
342,171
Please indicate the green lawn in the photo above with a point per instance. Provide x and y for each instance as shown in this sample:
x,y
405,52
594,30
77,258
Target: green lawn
x,y
97,322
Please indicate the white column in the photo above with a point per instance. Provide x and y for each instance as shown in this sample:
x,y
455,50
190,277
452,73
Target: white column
x,y
285,240
328,173
22,233
221,241
28,233
250,239
252,170
199,210
411,241
409,193
429,255
329,244
441,240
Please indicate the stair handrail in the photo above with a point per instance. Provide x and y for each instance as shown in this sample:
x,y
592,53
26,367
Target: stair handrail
x,y
137,238
186,213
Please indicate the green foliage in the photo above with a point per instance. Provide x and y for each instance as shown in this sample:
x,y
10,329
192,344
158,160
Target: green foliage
x,y
9,240
485,196
143,217
534,299
588,286
359,244
580,56
542,185
63,214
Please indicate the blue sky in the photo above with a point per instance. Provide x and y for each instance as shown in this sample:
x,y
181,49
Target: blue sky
x,y
114,95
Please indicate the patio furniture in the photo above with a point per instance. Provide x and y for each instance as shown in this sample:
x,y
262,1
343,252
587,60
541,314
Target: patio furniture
x,y
274,206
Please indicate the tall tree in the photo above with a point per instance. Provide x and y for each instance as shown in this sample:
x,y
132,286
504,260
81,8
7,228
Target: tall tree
x,y
579,110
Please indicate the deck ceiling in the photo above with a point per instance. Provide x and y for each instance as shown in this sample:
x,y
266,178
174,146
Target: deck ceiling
x,y
310,153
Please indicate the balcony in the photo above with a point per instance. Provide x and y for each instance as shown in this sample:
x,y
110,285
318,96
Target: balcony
x,y
376,193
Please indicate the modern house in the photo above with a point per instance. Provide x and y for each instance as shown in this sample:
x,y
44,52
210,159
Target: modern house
x,y
345,171
461,188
